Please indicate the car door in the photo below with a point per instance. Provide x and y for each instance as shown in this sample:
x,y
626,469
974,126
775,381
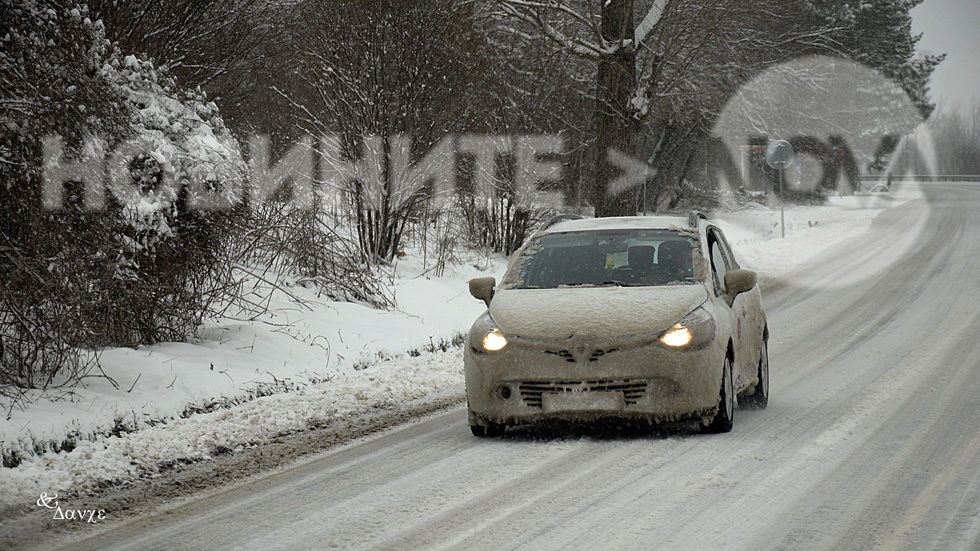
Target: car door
x,y
742,310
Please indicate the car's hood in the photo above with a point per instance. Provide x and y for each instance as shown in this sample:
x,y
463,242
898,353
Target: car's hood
x,y
602,312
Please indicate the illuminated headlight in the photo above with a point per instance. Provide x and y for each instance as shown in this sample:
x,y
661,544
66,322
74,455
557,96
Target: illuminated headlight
x,y
485,336
678,335
696,330
494,340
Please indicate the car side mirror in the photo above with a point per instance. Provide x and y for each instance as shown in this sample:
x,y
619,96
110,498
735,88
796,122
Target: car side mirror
x,y
738,282
482,288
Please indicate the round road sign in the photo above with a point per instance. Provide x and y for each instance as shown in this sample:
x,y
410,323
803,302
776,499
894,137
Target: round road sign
x,y
779,154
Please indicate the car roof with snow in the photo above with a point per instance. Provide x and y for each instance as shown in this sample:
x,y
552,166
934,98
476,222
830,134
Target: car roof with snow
x,y
620,223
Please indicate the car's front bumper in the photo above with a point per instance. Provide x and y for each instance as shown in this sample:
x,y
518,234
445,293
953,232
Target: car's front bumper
x,y
642,379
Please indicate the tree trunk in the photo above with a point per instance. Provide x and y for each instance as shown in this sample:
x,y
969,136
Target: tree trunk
x,y
677,149
615,126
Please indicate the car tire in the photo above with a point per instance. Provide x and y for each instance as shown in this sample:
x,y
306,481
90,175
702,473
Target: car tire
x,y
759,399
484,431
724,419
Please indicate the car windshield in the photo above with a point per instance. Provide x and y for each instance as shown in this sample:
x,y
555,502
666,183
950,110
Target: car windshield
x,y
604,258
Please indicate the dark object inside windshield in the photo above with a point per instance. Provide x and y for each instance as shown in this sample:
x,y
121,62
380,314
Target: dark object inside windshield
x,y
605,258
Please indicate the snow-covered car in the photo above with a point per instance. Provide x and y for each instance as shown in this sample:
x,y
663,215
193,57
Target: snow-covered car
x,y
640,318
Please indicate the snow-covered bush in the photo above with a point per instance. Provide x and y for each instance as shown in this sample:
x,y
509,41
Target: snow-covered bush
x,y
172,240
146,265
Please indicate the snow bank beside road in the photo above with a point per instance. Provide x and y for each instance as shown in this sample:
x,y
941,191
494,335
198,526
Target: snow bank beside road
x,y
127,457
339,360
756,236
311,362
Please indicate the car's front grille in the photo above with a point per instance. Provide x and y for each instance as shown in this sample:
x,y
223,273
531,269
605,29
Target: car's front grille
x,y
569,357
531,391
564,354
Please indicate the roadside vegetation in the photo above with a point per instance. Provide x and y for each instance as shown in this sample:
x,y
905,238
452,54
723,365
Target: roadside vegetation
x,y
195,79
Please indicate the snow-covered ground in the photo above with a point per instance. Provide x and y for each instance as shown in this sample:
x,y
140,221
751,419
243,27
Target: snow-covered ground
x,y
338,361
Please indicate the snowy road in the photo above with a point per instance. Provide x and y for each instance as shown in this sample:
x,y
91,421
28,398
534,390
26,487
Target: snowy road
x,y
870,441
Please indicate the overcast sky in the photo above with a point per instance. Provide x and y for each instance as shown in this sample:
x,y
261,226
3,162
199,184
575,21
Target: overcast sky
x,y
951,27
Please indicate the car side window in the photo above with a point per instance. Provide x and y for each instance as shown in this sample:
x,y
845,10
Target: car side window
x,y
719,260
727,251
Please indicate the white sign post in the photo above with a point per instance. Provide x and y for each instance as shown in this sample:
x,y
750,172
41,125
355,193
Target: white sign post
x,y
779,155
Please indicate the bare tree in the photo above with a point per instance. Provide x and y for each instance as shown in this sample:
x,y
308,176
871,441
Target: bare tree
x,y
680,60
956,139
380,74
537,90
213,45
605,35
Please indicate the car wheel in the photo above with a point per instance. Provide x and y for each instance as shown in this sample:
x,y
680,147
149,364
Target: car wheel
x,y
724,419
760,399
490,430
